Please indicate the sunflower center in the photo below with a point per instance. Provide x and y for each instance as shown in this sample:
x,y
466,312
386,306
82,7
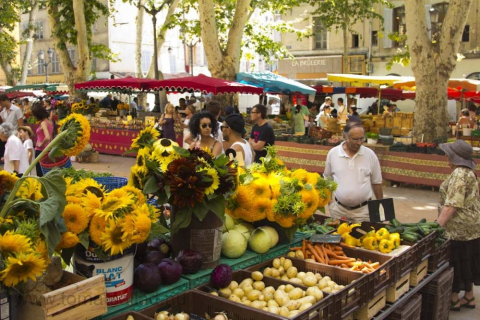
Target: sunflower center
x,y
165,142
20,270
116,236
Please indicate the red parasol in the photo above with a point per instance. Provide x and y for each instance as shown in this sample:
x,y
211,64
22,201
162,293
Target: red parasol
x,y
204,84
129,83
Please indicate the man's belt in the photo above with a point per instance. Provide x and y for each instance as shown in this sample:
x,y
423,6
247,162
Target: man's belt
x,y
351,208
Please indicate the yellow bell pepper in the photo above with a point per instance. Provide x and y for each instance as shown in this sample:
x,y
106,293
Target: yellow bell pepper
x,y
386,246
370,243
381,234
348,239
395,238
360,242
343,228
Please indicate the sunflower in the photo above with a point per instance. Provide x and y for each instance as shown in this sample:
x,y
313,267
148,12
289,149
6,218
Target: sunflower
x,y
11,243
41,249
119,193
78,135
21,267
285,221
7,181
73,199
324,197
212,173
186,185
138,196
76,218
69,240
260,186
143,225
300,175
112,205
142,155
91,185
112,238
90,202
164,148
136,178
259,209
145,138
128,226
310,199
30,189
274,180
96,229
71,186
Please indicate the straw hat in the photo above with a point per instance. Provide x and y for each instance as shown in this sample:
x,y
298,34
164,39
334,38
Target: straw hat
x,y
28,129
459,153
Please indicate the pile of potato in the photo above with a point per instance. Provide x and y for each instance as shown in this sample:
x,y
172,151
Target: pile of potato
x,y
286,300
283,269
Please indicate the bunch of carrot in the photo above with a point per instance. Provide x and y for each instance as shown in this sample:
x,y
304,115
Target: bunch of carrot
x,y
333,255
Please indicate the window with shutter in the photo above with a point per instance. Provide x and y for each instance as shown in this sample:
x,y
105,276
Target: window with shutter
x,y
388,26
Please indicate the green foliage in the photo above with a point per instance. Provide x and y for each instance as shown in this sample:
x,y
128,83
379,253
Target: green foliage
x,y
402,56
78,174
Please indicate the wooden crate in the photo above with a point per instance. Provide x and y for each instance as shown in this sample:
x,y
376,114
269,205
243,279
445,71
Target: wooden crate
x,y
398,289
397,121
83,299
372,308
404,132
389,122
396,131
419,273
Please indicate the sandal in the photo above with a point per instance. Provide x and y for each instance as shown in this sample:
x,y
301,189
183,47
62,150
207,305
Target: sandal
x,y
453,304
467,304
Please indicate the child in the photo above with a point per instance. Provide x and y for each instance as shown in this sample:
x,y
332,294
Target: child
x,y
26,134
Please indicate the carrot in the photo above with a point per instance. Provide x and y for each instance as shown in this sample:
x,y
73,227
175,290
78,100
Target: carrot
x,y
346,245
296,248
340,262
314,252
320,254
337,248
326,255
303,247
339,252
375,265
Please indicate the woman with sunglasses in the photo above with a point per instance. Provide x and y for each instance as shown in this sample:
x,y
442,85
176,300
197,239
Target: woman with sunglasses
x,y
204,128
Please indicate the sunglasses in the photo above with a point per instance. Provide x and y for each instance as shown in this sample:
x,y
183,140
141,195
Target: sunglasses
x,y
254,112
207,125
224,127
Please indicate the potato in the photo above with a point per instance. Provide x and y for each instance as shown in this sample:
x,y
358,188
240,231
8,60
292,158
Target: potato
x,y
284,312
268,289
261,297
293,313
310,260
257,276
293,305
291,254
287,264
331,284
281,287
282,298
319,276
233,285
285,278
268,296
315,292
327,290
281,270
289,288
307,299
276,263
301,275
265,309
245,281
267,272
239,293
272,303
282,260
322,284
225,292
275,273
310,280
295,294
274,310
327,278
258,304
304,306
292,272
247,288
235,298
299,255
247,302
296,280
253,295
258,285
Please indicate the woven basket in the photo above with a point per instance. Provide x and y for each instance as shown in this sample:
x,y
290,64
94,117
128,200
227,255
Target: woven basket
x,y
111,183
48,164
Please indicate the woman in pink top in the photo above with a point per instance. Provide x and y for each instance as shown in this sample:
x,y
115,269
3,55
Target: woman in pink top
x,y
44,132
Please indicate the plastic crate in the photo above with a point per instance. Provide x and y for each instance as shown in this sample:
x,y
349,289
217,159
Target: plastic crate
x,y
142,300
135,315
385,131
436,297
346,300
409,310
424,248
111,183
249,258
440,256
382,277
9,304
323,309
281,249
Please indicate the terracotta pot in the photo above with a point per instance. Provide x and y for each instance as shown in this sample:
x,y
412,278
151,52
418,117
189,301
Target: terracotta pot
x,y
202,236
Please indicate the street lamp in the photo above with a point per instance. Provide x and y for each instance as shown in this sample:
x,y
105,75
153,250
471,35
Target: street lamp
x,y
41,57
190,45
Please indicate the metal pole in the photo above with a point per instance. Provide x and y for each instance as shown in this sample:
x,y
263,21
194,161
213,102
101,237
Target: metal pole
x,y
155,55
46,71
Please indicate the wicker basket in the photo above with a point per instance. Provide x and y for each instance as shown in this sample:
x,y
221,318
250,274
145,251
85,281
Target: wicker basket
x,y
48,164
111,183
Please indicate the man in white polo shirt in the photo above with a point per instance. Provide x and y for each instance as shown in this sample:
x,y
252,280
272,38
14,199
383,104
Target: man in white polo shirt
x,y
357,172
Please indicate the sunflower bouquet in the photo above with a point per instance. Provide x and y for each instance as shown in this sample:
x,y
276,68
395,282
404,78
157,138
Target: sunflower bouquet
x,y
270,191
31,221
192,180
83,108
113,221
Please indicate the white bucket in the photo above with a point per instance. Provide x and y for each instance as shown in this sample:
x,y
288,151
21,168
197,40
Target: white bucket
x,y
117,270
454,130
467,132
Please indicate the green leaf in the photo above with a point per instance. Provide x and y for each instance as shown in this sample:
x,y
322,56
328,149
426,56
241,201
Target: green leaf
x,y
101,254
290,232
217,206
158,230
322,209
200,210
84,239
181,151
67,255
182,219
151,186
